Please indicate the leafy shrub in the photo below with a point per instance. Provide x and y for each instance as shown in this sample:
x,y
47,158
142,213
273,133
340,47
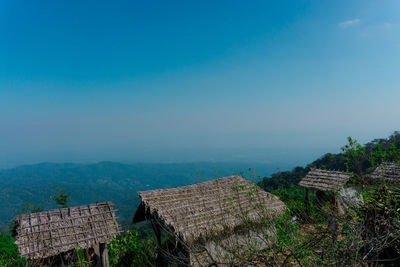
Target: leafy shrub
x,y
129,250
9,252
294,197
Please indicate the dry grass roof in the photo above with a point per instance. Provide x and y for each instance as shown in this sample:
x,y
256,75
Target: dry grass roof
x,y
48,233
389,171
206,208
325,180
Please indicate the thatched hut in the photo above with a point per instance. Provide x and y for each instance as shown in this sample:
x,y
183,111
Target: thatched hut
x,y
324,180
49,233
387,171
199,214
334,182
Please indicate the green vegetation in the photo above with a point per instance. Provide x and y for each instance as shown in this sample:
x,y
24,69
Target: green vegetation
x,y
128,250
369,234
61,199
9,252
354,158
294,196
310,235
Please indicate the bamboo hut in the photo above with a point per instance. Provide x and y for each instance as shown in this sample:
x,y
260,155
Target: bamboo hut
x,y
198,214
387,171
334,182
49,233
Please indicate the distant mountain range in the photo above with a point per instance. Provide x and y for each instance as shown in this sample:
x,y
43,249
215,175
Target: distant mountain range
x,y
117,182
104,181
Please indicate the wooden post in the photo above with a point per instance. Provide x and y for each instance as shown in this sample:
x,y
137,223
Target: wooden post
x,y
104,255
86,254
157,232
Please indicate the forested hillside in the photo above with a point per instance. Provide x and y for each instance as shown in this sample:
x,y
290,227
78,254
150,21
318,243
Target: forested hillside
x,y
377,150
105,181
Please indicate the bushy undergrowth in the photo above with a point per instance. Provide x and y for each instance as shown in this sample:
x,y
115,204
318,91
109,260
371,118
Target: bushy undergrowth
x,y
366,235
294,198
9,252
129,250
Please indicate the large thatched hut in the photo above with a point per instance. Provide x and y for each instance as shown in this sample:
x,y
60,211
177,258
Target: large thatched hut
x,y
49,233
334,182
387,171
198,214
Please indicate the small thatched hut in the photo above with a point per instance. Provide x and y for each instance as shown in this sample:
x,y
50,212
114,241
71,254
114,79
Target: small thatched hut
x,y
197,214
334,182
324,180
388,171
49,233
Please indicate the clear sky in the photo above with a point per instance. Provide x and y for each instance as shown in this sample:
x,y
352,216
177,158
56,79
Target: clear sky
x,y
171,80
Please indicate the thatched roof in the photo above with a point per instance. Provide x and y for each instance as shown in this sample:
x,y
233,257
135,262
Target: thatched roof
x,y
48,233
198,210
388,171
325,180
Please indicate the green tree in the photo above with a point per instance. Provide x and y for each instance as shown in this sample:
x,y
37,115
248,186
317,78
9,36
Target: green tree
x,y
61,199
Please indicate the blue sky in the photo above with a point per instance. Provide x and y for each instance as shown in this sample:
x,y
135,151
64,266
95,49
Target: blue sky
x,y
168,81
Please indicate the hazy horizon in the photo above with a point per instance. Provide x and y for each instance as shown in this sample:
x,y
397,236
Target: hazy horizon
x,y
279,158
280,82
